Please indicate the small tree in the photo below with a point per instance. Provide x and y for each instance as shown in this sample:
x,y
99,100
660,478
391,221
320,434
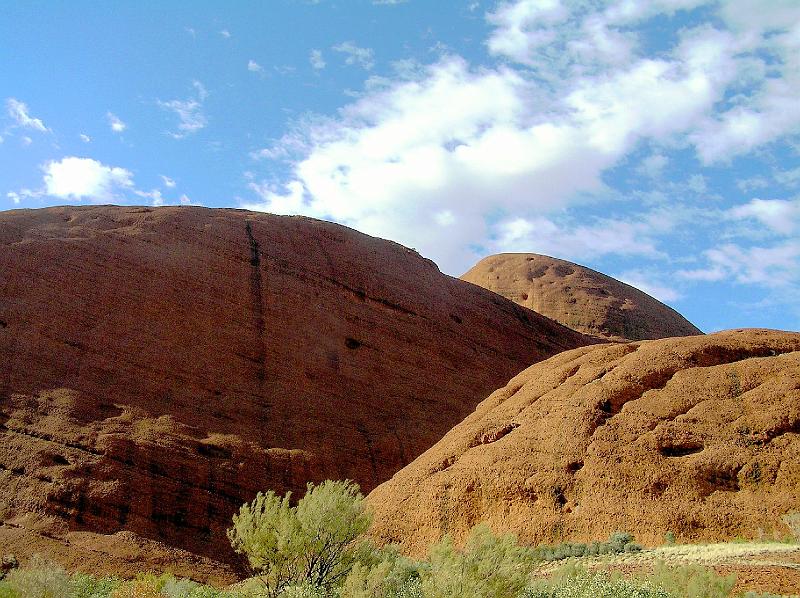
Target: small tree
x,y
314,543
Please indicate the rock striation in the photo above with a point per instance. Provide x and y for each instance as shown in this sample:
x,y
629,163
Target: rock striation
x,y
578,297
158,367
699,436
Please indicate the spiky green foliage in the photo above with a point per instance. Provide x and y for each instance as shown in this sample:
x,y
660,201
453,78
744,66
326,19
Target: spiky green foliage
x,y
489,567
86,586
692,581
314,543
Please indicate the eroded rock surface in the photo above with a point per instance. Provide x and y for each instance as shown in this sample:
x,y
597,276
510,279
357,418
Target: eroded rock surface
x,y
699,436
158,367
579,297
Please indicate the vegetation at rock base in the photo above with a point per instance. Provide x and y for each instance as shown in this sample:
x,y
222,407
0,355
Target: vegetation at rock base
x,y
316,542
317,549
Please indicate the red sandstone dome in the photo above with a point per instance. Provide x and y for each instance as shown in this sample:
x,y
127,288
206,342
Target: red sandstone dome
x,y
158,367
578,297
698,436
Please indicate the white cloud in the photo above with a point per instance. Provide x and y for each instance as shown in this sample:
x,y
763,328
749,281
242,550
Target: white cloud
x,y
781,216
653,166
14,197
254,67
788,178
777,266
316,60
225,33
518,33
155,197
85,138
18,111
363,57
26,141
697,183
168,182
500,156
191,117
571,241
76,178
116,124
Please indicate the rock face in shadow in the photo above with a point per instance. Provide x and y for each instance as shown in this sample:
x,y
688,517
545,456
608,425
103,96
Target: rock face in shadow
x,y
578,297
699,436
158,367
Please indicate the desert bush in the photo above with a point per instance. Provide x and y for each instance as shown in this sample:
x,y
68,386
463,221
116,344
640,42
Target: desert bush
x,y
384,573
692,581
40,579
86,586
489,566
146,585
314,543
669,538
792,521
617,543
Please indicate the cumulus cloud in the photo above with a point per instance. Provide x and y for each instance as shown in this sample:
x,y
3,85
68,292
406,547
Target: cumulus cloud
x,y
85,138
20,114
254,67
116,124
76,179
455,159
168,182
354,55
191,117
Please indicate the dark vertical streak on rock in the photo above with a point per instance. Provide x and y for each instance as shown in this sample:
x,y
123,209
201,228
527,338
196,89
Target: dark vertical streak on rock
x,y
257,300
264,395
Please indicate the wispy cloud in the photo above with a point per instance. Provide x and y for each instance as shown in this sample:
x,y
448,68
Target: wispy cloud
x,y
191,117
20,114
316,60
254,67
116,124
355,55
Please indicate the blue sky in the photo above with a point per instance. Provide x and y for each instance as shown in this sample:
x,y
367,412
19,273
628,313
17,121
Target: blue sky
x,y
658,142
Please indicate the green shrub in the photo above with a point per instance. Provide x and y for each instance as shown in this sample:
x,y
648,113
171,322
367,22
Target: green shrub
x,y
6,591
40,579
383,573
86,586
146,585
692,581
314,543
489,567
669,538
